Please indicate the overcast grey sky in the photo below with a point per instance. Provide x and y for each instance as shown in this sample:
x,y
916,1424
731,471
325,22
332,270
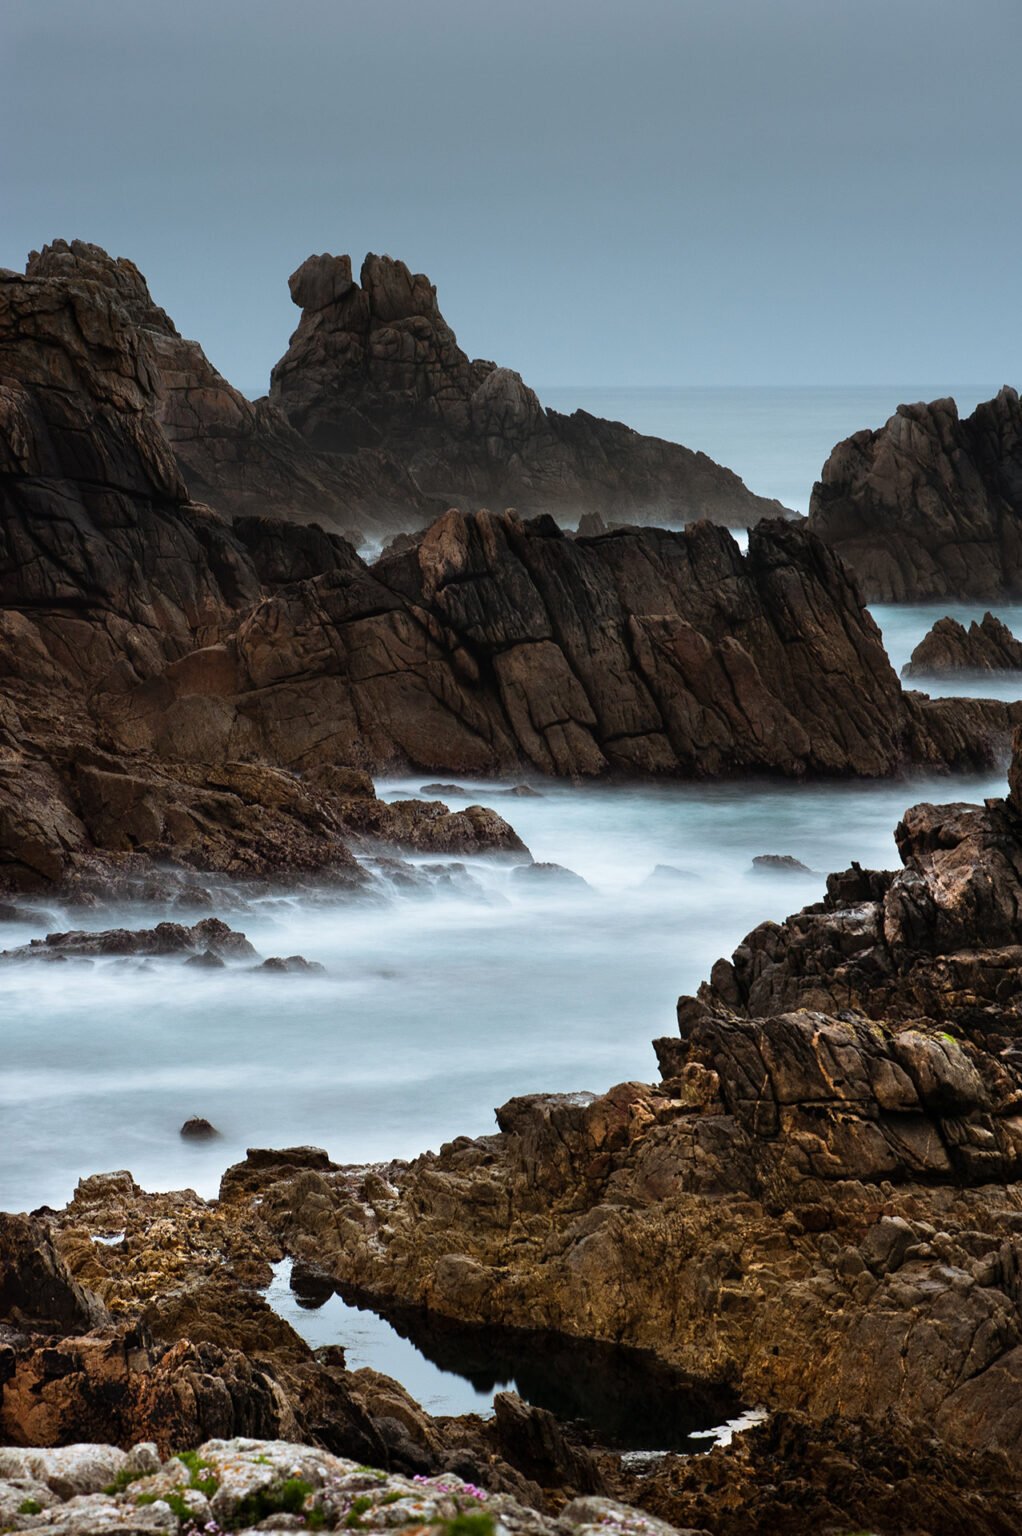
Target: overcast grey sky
x,y
650,191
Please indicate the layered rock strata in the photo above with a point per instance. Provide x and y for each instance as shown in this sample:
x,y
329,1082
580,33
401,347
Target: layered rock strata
x,y
374,366
949,647
930,505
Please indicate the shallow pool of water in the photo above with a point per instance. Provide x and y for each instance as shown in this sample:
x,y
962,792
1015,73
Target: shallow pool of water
x,y
625,1397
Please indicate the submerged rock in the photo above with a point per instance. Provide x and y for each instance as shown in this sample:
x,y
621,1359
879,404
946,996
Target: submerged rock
x,y
292,965
549,875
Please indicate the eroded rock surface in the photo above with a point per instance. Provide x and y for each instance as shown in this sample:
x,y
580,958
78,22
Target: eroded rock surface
x,y
949,647
929,505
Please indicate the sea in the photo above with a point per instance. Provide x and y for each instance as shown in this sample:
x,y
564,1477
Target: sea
x,y
436,1006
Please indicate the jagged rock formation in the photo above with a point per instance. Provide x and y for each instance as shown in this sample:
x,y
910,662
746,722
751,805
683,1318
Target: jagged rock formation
x,y
929,506
817,1203
949,647
240,457
385,421
374,365
167,673
492,646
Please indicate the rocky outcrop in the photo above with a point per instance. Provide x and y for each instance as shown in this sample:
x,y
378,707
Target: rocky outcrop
x,y
949,647
818,1202
240,456
176,685
374,366
929,506
376,420
493,645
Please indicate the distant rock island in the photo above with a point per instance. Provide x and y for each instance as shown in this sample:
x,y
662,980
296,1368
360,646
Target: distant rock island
x,y
376,419
929,506
949,647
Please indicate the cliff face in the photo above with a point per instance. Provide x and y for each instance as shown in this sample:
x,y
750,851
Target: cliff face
x,y
374,364
929,506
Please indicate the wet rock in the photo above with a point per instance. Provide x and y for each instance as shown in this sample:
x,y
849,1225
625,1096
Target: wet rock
x,y
292,965
198,1129
436,790
779,864
949,647
208,960
209,936
549,876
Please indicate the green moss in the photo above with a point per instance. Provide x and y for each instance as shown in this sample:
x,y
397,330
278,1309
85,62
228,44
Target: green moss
x,y
30,1507
353,1519
124,1479
200,1473
288,1498
475,1524
392,1498
174,1501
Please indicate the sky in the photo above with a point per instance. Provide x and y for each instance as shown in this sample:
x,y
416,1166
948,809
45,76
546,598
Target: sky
x,y
649,192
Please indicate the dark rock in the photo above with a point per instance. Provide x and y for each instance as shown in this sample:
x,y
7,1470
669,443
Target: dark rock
x,y
293,965
928,506
548,875
198,1129
375,369
779,864
208,936
436,790
949,648
207,960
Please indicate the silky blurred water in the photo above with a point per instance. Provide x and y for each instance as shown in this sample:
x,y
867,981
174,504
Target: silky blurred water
x,y
433,1009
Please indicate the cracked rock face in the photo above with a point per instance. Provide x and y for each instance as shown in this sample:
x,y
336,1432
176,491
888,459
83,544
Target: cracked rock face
x,y
949,647
374,365
929,505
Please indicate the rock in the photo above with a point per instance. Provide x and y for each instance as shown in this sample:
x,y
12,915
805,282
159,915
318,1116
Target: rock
x,y
949,647
669,874
928,506
198,1129
548,875
376,370
206,961
210,937
436,790
779,864
293,965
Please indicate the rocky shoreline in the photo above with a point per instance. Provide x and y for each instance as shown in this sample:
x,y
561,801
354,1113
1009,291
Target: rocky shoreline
x,y
818,1207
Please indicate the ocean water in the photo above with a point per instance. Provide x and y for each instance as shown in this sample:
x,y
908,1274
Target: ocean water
x,y
777,439
433,1009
